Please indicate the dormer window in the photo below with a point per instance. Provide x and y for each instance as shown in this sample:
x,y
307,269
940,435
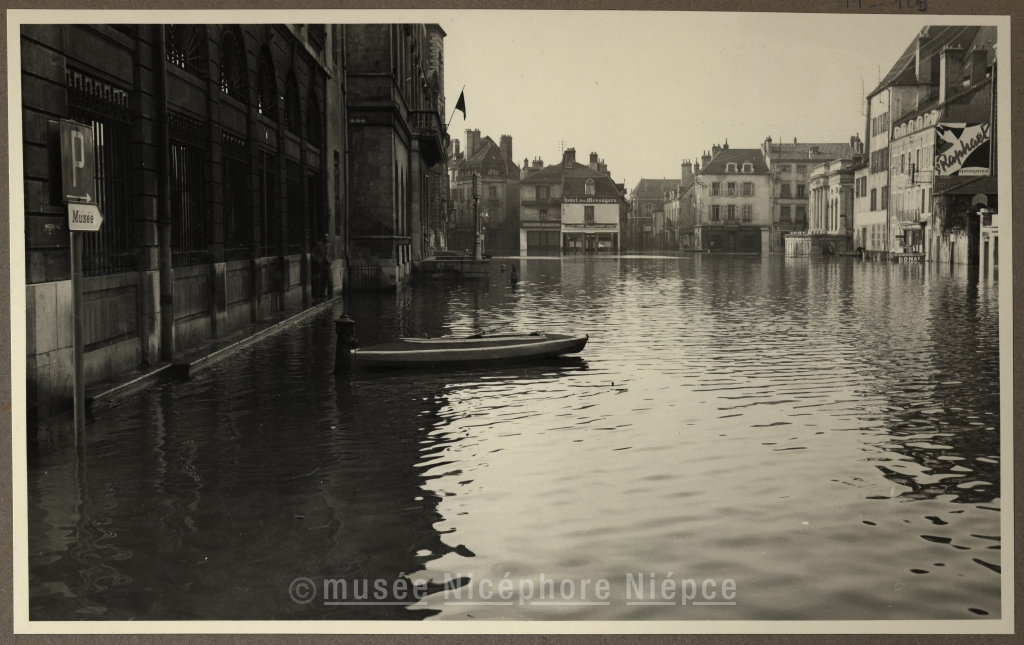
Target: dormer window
x,y
748,167
589,190
730,167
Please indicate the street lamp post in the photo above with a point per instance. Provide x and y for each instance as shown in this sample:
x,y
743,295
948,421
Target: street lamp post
x,y
478,252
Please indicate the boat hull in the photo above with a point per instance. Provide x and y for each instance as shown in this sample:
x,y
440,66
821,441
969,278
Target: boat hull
x,y
426,353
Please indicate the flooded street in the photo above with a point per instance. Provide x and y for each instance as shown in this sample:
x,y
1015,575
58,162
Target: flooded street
x,y
823,433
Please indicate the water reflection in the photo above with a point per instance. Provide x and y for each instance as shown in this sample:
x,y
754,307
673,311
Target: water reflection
x,y
789,424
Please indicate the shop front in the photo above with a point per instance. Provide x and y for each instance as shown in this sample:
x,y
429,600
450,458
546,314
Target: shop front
x,y
590,238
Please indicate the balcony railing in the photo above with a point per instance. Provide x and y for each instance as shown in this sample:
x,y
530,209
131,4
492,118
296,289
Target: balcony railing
x,y
427,127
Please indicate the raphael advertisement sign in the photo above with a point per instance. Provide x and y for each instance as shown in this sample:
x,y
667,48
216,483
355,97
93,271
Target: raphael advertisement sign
x,y
962,149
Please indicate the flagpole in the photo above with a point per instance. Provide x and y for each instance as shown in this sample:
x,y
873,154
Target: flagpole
x,y
453,110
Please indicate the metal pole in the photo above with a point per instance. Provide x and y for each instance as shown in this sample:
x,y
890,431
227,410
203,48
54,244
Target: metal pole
x,y
78,337
478,253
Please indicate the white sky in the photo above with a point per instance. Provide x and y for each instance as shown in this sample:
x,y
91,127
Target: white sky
x,y
646,90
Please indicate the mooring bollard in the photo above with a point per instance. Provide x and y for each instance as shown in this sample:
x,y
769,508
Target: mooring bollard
x,y
345,327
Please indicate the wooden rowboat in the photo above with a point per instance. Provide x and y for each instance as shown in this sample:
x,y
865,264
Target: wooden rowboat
x,y
480,349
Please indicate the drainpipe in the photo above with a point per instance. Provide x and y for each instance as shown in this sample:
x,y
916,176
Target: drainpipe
x,y
163,204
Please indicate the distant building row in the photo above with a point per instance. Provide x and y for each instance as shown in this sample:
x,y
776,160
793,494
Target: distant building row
x,y
922,185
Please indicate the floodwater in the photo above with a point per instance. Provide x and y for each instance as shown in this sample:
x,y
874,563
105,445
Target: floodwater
x,y
801,439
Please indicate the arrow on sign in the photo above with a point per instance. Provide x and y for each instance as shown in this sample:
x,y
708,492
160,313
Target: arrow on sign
x,y
84,217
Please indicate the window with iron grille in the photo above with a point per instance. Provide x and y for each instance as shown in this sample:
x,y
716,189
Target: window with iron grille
x,y
314,124
184,47
105,108
266,85
292,109
237,211
232,65
187,188
296,208
270,217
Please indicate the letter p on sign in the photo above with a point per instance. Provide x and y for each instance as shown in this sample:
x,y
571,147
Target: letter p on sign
x,y
78,155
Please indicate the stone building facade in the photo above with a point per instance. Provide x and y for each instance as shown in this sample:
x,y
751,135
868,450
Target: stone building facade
x,y
396,135
790,165
499,194
219,162
830,215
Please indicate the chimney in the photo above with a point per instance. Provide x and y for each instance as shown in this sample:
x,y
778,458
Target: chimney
x,y
979,65
794,141
569,158
506,146
715,149
687,169
951,72
469,143
705,159
593,158
696,168
456,143
922,61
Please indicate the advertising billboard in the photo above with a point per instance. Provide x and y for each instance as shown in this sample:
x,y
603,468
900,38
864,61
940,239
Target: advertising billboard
x,y
962,149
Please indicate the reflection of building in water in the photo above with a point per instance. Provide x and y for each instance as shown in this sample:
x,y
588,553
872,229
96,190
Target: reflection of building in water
x,y
949,425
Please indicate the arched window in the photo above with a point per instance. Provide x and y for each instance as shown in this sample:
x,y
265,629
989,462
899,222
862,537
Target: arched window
x,y
184,45
266,85
232,65
292,107
314,127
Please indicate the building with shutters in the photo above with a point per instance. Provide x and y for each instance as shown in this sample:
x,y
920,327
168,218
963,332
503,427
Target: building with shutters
x,y
906,208
791,165
733,201
569,208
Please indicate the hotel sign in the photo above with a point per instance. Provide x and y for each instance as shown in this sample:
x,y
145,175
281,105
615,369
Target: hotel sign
x,y
962,149
601,226
551,225
589,200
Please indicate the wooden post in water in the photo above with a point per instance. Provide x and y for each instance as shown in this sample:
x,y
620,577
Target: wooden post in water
x,y
345,328
78,337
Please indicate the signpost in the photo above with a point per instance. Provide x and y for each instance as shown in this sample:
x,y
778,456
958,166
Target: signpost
x,y
78,189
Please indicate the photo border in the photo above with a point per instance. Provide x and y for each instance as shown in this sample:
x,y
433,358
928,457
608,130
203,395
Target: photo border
x,y
15,605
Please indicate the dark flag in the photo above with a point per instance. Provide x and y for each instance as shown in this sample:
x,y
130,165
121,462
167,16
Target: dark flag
x,y
461,104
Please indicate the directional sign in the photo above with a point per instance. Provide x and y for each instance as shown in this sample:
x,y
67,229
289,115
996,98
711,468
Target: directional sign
x,y
78,162
84,217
